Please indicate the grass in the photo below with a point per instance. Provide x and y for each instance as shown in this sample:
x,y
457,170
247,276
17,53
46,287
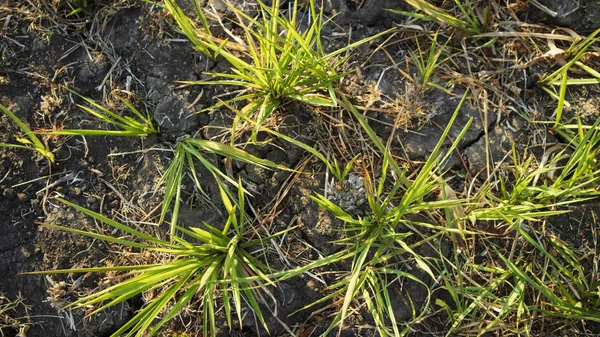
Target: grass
x,y
138,125
199,38
537,280
8,312
32,142
426,63
564,285
470,20
203,262
561,78
381,237
530,272
274,61
568,176
189,150
500,264
77,7
533,192
180,275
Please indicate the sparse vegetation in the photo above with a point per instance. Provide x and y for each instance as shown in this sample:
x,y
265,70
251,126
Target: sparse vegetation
x,y
297,202
8,314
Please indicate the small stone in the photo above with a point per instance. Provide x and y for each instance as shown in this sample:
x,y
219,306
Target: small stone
x,y
277,156
256,174
22,197
25,252
9,193
174,118
76,191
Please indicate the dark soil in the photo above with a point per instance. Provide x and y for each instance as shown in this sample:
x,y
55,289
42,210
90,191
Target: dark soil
x,y
131,46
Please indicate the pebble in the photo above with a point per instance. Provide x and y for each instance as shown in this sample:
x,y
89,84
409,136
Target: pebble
x,y
76,191
22,197
25,252
9,193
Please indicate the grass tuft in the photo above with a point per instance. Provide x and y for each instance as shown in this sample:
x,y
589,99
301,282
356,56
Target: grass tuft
x,y
274,61
190,149
561,79
29,143
204,263
471,21
138,125
382,236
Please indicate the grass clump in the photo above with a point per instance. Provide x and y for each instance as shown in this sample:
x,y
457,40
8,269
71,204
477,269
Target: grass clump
x,y
274,61
527,277
561,79
471,20
32,142
379,240
203,263
190,149
138,125
564,176
426,63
